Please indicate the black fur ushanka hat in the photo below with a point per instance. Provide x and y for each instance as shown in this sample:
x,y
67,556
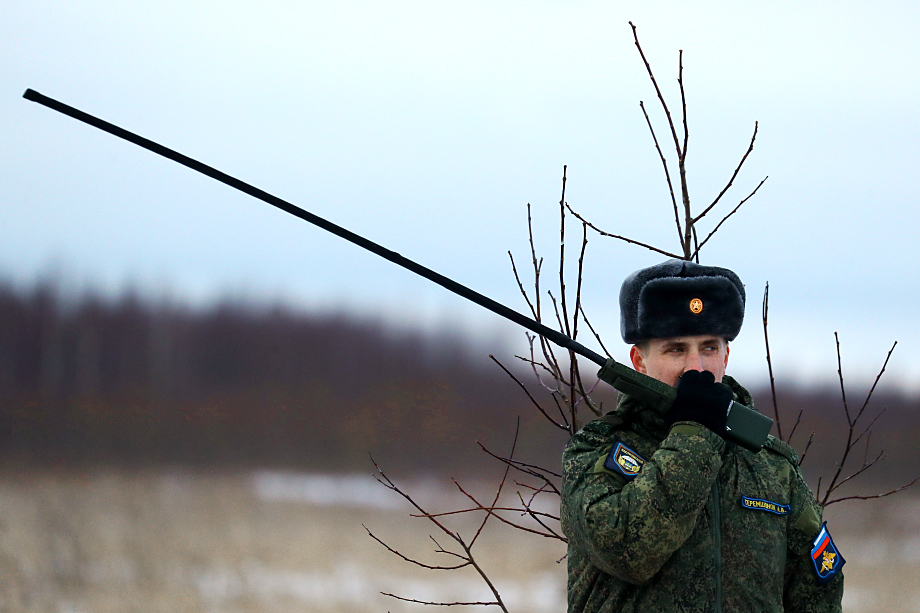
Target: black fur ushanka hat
x,y
681,298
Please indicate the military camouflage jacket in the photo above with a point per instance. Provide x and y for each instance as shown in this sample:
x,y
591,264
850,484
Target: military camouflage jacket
x,y
680,520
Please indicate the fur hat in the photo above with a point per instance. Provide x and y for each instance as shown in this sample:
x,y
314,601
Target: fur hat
x,y
681,298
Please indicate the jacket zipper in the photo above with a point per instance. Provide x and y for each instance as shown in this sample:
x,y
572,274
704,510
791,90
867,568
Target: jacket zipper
x,y
717,545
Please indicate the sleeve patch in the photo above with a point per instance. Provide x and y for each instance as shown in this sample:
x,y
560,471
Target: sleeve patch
x,y
826,557
624,461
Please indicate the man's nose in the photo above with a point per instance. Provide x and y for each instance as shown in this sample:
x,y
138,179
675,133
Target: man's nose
x,y
694,362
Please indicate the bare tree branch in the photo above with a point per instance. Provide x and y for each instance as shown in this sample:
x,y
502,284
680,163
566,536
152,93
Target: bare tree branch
x,y
561,426
623,238
811,438
894,491
446,604
657,89
565,314
683,102
724,219
766,338
412,560
798,420
732,179
593,331
466,556
517,278
667,174
851,422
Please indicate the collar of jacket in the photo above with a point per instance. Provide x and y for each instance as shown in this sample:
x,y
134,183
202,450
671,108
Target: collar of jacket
x,y
646,418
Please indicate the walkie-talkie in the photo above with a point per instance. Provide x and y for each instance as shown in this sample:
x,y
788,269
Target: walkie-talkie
x,y
744,426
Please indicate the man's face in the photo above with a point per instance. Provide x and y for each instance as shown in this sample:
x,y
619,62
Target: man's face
x,y
666,359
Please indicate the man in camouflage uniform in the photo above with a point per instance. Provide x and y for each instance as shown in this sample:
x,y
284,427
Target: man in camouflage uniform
x,y
661,512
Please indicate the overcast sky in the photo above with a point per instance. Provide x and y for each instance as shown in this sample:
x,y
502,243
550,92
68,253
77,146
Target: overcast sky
x,y
428,127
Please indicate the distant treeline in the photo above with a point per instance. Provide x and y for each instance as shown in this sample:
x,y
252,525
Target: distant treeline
x,y
91,380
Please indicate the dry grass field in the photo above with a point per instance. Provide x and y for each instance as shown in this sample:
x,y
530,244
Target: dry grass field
x,y
181,542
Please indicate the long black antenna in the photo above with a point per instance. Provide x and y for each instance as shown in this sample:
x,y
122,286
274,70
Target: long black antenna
x,y
745,427
552,335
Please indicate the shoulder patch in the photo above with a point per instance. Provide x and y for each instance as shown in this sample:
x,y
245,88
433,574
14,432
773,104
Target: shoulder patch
x,y
612,419
624,461
783,449
826,557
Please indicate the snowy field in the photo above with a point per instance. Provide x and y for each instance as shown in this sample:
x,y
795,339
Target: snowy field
x,y
106,542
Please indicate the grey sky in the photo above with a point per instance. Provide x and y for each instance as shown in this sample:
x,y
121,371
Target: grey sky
x,y
427,127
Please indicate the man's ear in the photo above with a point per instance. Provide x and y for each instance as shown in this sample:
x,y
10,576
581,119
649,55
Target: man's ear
x,y
638,361
726,355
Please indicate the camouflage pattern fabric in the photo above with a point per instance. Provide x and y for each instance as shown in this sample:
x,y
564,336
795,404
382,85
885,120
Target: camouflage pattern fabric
x,y
699,525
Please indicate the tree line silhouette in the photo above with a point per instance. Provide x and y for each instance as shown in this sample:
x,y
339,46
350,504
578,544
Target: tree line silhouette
x,y
132,382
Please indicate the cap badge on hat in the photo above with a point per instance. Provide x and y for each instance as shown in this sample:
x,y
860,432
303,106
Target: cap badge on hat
x,y
696,306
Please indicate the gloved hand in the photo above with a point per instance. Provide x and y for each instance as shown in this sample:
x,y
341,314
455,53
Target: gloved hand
x,y
701,399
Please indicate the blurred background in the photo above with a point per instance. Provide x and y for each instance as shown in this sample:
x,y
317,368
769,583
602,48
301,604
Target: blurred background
x,y
167,344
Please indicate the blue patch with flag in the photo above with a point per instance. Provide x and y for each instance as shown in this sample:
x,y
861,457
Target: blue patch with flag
x,y
826,557
624,461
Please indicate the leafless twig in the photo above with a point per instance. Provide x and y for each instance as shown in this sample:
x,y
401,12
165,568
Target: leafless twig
x,y
466,557
853,438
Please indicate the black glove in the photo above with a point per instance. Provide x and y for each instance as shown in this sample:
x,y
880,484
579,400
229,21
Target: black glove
x,y
701,399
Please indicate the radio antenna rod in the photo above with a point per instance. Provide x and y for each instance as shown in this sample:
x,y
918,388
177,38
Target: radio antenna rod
x,y
552,335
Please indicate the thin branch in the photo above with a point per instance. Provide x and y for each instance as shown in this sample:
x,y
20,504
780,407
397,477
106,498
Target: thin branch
x,y
623,238
732,179
868,429
537,517
593,331
412,560
811,438
581,269
894,491
491,511
534,364
530,469
468,558
696,246
479,507
766,339
446,604
733,211
565,315
875,384
843,391
537,264
537,267
517,278
498,491
388,483
689,227
795,426
576,372
683,102
570,397
561,426
556,308
851,421
657,90
866,465
667,174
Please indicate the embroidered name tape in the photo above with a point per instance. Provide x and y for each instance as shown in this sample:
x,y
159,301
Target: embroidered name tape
x,y
624,461
765,505
826,557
